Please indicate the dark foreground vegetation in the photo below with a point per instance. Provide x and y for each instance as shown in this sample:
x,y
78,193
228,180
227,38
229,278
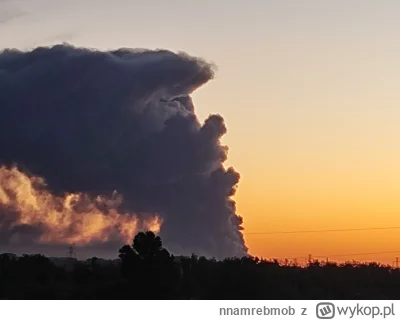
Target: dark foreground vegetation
x,y
146,270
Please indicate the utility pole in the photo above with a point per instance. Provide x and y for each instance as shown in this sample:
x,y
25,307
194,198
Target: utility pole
x,y
397,262
71,253
309,258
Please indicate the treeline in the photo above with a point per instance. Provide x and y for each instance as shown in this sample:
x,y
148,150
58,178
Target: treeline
x,y
146,270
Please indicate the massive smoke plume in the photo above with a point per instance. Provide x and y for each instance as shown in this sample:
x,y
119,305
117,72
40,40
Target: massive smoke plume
x,y
97,145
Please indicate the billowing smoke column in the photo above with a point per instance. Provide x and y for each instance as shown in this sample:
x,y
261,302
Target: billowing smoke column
x,y
115,144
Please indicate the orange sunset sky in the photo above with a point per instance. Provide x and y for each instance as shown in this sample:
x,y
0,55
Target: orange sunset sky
x,y
309,93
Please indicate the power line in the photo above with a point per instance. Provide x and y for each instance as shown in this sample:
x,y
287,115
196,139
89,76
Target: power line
x,y
341,255
358,254
332,230
321,231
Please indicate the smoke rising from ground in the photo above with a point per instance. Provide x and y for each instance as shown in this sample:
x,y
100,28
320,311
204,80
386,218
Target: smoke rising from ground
x,y
92,123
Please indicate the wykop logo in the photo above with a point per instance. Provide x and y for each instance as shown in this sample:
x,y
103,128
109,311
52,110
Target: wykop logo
x,y
325,310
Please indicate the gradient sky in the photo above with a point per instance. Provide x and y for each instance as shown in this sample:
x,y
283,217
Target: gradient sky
x,y
308,90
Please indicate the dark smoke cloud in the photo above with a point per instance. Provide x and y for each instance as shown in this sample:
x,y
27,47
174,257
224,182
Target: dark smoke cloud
x,y
94,122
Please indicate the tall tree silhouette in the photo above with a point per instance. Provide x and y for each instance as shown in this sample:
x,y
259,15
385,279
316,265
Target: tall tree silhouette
x,y
148,265
147,245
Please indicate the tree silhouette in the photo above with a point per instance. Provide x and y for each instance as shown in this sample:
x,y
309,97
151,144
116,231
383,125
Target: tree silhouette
x,y
147,245
149,266
146,270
